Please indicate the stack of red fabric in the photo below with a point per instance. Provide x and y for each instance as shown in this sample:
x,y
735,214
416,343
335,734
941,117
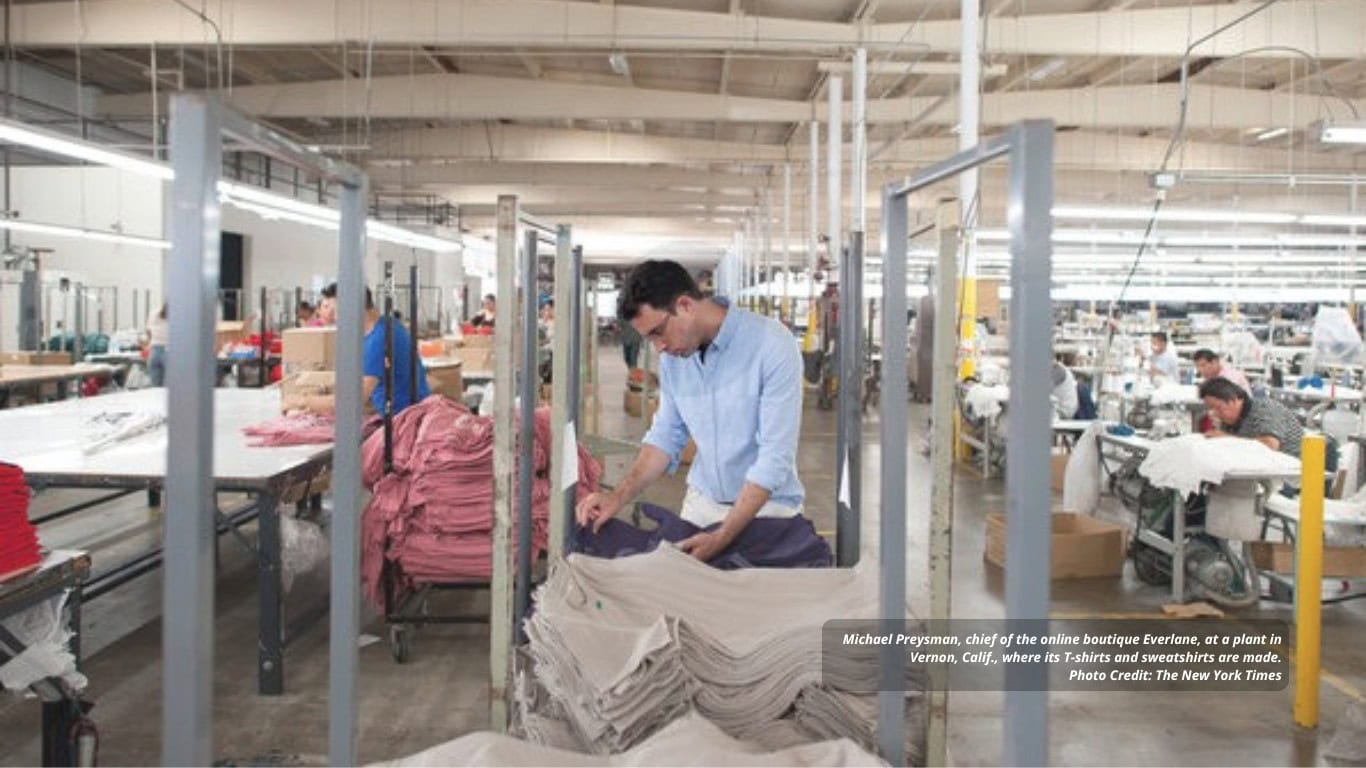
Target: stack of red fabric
x,y
18,538
433,515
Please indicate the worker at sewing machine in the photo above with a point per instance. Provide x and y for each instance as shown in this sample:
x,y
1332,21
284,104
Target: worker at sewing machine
x,y
1210,367
1163,361
1240,415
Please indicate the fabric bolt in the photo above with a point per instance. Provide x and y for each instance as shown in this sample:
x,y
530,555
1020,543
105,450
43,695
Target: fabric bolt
x,y
1185,463
433,515
621,645
298,429
741,402
767,542
688,741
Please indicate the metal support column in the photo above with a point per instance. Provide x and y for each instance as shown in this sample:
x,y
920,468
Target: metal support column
x,y
891,726
849,426
344,616
412,333
188,595
388,411
785,307
564,383
1029,219
813,193
504,446
941,459
858,143
78,323
262,348
833,144
528,386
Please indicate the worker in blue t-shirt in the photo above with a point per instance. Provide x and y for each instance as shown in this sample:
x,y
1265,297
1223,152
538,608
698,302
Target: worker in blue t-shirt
x,y
372,368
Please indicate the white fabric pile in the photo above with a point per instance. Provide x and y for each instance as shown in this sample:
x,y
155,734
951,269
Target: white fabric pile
x,y
1184,463
111,427
688,741
623,646
1171,393
984,401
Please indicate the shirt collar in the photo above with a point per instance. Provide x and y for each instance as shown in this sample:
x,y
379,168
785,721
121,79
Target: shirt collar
x,y
728,326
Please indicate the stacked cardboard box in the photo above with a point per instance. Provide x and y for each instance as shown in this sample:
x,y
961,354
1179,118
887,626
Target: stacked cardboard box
x,y
309,349
1083,546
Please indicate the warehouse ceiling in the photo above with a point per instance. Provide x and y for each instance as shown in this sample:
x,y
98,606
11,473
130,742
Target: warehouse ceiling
x,y
675,119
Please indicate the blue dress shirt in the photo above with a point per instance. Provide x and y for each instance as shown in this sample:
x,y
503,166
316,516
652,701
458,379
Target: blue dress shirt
x,y
741,403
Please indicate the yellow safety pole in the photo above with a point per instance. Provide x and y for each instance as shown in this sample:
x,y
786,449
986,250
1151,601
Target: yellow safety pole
x,y
967,295
1309,582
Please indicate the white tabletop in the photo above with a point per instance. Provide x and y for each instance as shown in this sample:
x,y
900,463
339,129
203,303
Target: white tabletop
x,y
1072,425
1328,393
47,440
12,375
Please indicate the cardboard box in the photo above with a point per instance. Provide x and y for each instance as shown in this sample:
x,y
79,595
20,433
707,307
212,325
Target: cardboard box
x,y
447,380
1059,470
1338,562
632,400
477,341
229,332
309,349
1083,546
475,359
35,358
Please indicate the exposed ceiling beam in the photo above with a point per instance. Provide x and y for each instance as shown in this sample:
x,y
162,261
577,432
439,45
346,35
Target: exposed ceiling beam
x,y
524,144
475,97
565,174
1338,31
945,68
533,67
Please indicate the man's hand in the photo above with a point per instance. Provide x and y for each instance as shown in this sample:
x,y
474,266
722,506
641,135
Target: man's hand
x,y
597,509
704,546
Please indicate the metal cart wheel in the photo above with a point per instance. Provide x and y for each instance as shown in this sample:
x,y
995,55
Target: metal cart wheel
x,y
398,643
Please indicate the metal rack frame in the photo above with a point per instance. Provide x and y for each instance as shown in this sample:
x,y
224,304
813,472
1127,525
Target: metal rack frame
x,y
1029,149
197,129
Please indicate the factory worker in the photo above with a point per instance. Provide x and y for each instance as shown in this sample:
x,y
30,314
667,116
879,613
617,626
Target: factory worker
x,y
1209,366
1241,415
1163,362
730,380
487,312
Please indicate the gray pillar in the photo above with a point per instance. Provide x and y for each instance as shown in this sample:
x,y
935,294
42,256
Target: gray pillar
x,y
849,427
564,383
529,390
188,595
344,618
891,732
504,443
1030,221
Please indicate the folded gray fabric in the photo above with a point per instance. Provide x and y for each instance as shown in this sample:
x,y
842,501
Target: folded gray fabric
x,y
688,741
624,646
826,713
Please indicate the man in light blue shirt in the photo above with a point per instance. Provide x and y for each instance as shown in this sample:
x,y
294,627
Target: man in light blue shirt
x,y
730,380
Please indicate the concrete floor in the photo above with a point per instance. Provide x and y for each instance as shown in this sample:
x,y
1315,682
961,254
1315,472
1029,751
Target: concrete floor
x,y
441,692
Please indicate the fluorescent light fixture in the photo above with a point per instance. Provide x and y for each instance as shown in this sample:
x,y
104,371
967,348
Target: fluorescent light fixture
x,y
243,196
1343,133
17,133
1046,70
1325,220
1274,133
1140,213
102,236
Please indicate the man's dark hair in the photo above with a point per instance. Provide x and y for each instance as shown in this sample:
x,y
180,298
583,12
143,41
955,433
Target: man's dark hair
x,y
657,283
1206,356
1160,335
305,307
490,297
1221,388
330,292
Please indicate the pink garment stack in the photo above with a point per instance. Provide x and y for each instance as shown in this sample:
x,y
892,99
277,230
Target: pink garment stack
x,y
298,429
19,551
433,515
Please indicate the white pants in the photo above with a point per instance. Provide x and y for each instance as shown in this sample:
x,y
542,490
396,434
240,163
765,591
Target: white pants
x,y
702,511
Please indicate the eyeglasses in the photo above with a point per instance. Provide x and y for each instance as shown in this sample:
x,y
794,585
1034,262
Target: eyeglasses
x,y
658,331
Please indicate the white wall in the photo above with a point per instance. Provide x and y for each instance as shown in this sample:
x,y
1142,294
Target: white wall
x,y
287,254
91,198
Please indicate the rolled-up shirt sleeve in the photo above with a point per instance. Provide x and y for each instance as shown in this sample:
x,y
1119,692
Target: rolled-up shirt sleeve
x,y
667,432
780,415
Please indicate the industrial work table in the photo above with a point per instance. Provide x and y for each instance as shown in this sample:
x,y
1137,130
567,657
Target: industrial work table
x,y
14,377
48,442
61,571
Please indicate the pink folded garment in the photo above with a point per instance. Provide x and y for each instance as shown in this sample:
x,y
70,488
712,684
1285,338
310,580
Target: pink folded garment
x,y
301,429
433,515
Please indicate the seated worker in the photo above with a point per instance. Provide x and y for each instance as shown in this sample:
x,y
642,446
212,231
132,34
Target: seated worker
x,y
326,313
303,314
731,380
372,367
1163,362
1209,366
1241,415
